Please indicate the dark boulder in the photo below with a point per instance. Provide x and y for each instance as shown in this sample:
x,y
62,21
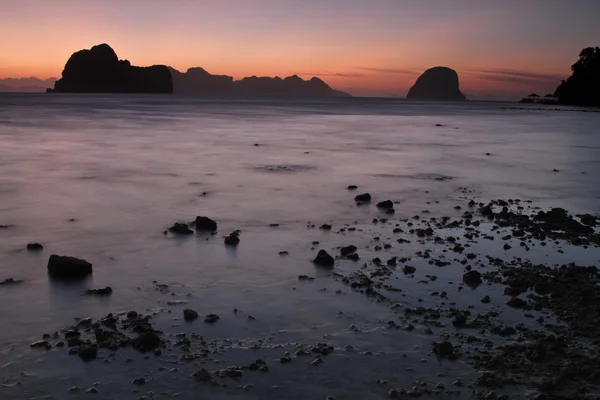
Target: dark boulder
x,y
407,269
363,198
386,204
324,259
205,224
352,187
189,314
147,341
233,239
34,246
443,348
438,83
68,267
348,250
202,375
211,318
99,70
472,278
88,352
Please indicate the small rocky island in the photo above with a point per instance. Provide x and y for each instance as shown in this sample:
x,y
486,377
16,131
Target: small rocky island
x,y
582,88
99,70
438,83
198,81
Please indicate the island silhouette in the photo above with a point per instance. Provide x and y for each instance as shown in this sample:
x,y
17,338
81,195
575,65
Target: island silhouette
x,y
437,83
99,70
582,88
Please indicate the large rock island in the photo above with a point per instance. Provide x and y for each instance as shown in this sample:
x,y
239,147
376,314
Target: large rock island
x,y
198,81
438,83
582,88
99,70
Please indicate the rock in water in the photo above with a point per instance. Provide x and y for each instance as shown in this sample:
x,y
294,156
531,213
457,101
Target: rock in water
x,y
105,291
180,229
233,239
324,259
205,224
34,246
68,267
443,349
472,278
99,70
386,205
10,281
189,314
363,198
438,83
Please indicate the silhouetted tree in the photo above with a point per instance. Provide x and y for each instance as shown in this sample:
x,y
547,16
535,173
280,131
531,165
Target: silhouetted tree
x,y
583,86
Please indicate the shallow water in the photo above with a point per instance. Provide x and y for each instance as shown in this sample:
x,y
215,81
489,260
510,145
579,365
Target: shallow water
x,y
125,168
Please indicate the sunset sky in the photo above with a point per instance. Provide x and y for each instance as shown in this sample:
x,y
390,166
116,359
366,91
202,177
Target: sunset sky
x,y
501,49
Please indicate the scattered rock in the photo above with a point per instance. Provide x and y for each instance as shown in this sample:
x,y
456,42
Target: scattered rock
x,y
407,269
352,187
180,229
88,352
211,318
233,239
348,250
205,224
189,314
10,281
486,299
34,246
139,381
325,227
472,278
386,204
105,291
324,259
363,198
202,375
443,348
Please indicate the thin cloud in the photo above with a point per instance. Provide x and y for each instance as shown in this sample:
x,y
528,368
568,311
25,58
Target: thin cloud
x,y
391,70
514,76
339,74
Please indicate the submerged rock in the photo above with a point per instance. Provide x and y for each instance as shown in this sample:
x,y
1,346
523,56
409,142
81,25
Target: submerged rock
x,y
105,291
211,318
11,281
68,267
205,224
324,259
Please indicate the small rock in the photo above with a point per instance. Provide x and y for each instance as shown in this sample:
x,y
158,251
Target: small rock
x,y
407,269
352,187
139,381
325,227
105,291
34,246
205,224
211,318
233,239
363,198
180,229
472,278
10,281
387,204
443,348
324,259
202,375
88,352
348,250
189,314
485,299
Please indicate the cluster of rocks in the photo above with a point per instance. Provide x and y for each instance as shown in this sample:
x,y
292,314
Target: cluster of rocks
x,y
201,223
87,336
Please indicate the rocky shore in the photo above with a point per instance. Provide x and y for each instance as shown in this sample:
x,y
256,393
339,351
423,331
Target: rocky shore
x,y
517,323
